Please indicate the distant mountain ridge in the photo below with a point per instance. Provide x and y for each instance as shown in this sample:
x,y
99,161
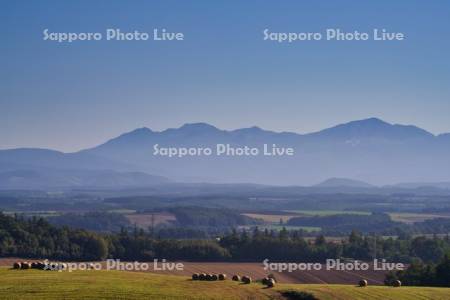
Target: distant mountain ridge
x,y
374,127
368,150
344,182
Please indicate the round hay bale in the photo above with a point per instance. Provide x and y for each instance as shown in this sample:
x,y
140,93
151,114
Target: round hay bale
x,y
246,279
17,265
272,276
222,276
41,265
195,276
236,278
363,283
214,277
25,265
271,282
397,283
202,276
208,277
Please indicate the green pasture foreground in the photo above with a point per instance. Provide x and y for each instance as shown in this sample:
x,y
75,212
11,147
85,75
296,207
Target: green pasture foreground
x,y
35,284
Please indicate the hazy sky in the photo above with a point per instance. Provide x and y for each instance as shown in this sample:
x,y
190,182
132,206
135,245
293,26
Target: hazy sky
x,y
72,96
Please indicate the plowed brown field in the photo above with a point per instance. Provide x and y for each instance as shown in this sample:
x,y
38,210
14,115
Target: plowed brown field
x,y
256,271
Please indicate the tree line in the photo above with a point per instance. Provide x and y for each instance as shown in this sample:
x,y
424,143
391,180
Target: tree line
x,y
420,274
36,238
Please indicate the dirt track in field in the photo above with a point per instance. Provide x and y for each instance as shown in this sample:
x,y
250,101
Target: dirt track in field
x,y
256,271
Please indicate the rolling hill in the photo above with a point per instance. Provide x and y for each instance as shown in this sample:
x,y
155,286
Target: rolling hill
x,y
34,284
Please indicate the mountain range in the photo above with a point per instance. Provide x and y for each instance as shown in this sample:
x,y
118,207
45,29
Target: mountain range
x,y
368,150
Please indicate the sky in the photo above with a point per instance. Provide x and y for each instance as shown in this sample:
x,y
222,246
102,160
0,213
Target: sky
x,y
71,96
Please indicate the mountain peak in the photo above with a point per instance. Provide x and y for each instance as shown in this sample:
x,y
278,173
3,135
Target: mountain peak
x,y
142,130
373,127
370,121
130,137
250,130
137,133
198,128
366,123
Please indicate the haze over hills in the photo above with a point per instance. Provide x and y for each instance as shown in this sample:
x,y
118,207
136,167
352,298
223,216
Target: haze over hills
x,y
51,178
369,150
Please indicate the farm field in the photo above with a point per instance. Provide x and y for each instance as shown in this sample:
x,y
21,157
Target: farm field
x,y
279,227
404,217
35,284
328,212
145,220
122,211
410,218
272,218
272,221
42,214
256,270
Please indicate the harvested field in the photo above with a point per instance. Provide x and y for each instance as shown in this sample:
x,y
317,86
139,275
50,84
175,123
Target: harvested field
x,y
37,285
257,272
272,221
148,219
322,213
410,218
271,218
277,227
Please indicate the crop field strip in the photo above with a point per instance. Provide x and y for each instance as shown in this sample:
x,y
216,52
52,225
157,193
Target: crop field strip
x,y
39,285
256,270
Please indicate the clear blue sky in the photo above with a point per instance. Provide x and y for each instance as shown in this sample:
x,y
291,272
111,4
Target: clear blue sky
x,y
73,96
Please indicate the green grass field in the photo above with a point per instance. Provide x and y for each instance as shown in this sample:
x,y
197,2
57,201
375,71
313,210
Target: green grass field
x,y
35,284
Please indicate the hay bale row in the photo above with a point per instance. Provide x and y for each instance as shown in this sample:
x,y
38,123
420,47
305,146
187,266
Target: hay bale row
x,y
39,265
215,277
24,265
244,279
208,277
